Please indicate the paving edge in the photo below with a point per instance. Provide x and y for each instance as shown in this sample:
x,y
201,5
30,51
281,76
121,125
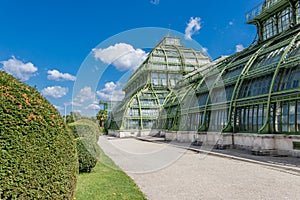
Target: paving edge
x,y
279,166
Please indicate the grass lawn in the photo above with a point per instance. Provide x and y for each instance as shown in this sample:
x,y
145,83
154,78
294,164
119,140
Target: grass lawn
x,y
105,182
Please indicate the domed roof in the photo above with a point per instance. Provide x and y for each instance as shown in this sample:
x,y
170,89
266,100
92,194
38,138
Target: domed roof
x,y
170,55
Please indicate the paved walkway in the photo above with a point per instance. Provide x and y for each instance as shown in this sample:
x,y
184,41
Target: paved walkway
x,y
163,171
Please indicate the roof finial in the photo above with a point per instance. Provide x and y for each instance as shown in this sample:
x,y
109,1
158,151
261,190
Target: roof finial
x,y
169,35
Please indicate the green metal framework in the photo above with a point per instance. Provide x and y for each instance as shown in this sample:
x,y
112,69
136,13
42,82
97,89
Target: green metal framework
x,y
151,83
254,91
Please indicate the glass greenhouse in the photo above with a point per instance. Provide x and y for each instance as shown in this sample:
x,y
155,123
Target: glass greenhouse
x,y
149,86
254,91
250,99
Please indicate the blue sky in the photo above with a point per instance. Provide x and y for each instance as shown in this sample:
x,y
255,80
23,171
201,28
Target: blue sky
x,y
49,44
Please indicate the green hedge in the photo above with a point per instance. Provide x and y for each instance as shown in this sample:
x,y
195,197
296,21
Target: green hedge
x,y
86,133
38,158
87,161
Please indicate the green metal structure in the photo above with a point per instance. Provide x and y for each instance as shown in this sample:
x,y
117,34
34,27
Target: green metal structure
x,y
151,83
256,90
253,91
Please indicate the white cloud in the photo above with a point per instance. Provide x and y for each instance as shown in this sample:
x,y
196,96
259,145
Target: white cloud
x,y
155,2
19,69
111,91
123,56
93,107
204,50
239,48
77,111
58,76
55,91
230,23
72,103
192,27
85,94
59,108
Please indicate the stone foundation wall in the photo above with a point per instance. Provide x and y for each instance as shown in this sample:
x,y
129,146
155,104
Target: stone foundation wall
x,y
262,144
132,133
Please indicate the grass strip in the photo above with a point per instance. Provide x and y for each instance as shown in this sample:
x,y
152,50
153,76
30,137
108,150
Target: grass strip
x,y
105,182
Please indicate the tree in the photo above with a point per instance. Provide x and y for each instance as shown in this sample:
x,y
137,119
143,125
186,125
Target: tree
x,y
73,116
102,117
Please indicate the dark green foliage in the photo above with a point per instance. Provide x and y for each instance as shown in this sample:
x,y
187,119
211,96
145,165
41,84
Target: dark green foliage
x,y
38,157
86,133
102,117
75,116
86,159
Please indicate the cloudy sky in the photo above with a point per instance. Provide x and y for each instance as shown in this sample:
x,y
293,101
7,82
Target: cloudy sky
x,y
53,44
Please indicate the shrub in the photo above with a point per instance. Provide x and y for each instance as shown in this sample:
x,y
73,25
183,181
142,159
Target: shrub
x,y
86,133
86,159
37,151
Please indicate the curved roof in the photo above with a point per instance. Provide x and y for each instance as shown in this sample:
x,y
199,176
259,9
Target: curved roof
x,y
171,57
258,78
174,57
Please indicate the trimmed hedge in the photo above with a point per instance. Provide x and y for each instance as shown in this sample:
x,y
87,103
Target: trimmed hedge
x,y
38,158
86,133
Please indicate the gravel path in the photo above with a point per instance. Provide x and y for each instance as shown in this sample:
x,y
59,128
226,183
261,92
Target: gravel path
x,y
166,172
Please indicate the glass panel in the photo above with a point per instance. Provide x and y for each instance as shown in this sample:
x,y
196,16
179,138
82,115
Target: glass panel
x,y
154,78
189,68
255,117
174,67
242,119
133,124
163,79
173,60
246,124
158,67
183,120
269,3
294,50
172,53
269,28
159,52
233,72
171,41
191,61
284,20
250,119
188,54
290,79
158,59
298,12
201,118
284,117
147,124
298,116
149,113
292,112
134,102
133,112
161,101
218,95
202,99
257,86
260,120
269,59
278,117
